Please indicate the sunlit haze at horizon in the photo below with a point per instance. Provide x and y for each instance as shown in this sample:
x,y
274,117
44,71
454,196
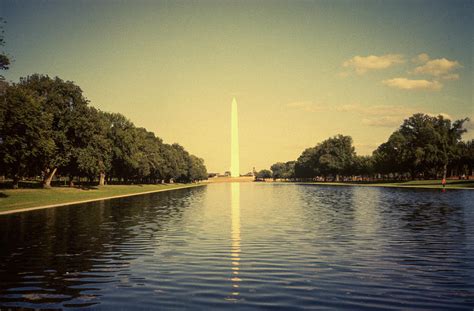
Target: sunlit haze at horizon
x,y
301,71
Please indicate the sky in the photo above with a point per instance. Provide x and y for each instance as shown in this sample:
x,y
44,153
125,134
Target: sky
x,y
301,71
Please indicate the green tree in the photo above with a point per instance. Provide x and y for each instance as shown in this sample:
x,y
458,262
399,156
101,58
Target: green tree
x,y
332,157
336,156
4,58
465,158
448,137
65,102
197,169
278,170
25,133
306,166
282,170
181,160
422,145
393,156
264,174
92,153
122,135
363,165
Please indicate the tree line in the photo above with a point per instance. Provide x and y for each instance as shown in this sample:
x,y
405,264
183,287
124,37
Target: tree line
x,y
48,129
422,147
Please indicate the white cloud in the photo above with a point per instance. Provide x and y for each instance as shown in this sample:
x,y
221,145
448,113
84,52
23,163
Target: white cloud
x,y
443,114
469,125
438,67
408,84
307,106
421,58
362,64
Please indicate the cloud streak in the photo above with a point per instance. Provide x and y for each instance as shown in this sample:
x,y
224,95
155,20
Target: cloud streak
x,y
409,84
362,64
438,67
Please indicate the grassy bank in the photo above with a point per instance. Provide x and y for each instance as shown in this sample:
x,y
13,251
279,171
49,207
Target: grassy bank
x,y
427,184
23,199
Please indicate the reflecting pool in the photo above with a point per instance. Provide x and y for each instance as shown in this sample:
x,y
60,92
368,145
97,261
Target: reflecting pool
x,y
245,246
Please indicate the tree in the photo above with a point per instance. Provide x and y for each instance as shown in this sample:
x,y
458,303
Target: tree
x,y
64,101
465,158
393,156
47,126
25,133
363,165
289,172
282,170
180,157
264,174
332,157
336,156
306,166
448,138
423,145
92,153
122,135
278,170
197,169
4,58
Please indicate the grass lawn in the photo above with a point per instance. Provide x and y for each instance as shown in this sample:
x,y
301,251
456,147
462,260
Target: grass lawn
x,y
29,198
432,184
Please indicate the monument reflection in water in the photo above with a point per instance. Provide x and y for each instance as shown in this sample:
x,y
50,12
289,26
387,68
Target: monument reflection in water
x,y
234,146
235,240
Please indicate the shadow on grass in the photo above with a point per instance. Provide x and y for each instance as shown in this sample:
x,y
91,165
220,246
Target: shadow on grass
x,y
3,195
22,184
85,187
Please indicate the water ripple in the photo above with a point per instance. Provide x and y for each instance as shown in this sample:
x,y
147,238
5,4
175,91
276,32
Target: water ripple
x,y
245,246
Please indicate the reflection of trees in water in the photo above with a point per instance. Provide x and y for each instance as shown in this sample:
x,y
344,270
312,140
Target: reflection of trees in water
x,y
427,236
393,235
328,210
421,215
67,250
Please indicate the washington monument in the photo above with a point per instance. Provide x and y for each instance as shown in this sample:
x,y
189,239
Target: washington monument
x,y
234,149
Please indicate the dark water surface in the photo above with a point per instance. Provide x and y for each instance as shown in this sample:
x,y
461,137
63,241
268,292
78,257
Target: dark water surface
x,y
245,246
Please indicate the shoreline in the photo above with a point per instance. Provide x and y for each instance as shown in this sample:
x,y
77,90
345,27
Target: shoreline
x,y
422,184
388,185
27,209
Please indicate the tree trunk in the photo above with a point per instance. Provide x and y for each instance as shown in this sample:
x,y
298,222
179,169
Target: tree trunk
x,y
49,177
445,170
102,179
16,180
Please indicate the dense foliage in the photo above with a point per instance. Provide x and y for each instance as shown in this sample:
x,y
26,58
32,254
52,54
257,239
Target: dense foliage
x,y
47,128
423,146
